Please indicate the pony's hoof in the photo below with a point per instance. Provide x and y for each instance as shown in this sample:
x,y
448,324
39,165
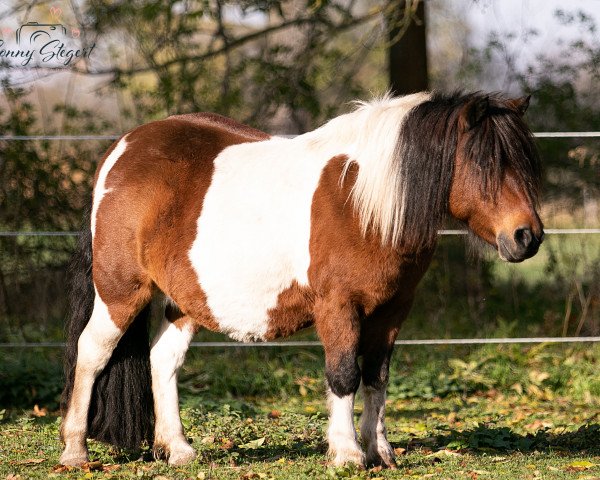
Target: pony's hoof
x,y
182,455
73,459
382,456
339,458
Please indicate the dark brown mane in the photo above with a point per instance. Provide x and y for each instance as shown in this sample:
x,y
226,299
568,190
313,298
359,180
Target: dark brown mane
x,y
428,148
502,140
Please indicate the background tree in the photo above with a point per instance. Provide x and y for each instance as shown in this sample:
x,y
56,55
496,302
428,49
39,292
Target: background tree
x,y
407,54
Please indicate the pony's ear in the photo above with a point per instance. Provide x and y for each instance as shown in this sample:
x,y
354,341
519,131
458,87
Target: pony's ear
x,y
520,105
474,112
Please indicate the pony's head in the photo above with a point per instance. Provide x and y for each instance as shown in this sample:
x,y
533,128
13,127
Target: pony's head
x,y
470,155
496,176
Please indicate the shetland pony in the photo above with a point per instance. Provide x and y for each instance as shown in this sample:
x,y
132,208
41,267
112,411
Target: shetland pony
x,y
224,227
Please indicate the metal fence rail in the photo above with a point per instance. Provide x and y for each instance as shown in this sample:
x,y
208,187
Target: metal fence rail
x,y
314,343
115,137
551,231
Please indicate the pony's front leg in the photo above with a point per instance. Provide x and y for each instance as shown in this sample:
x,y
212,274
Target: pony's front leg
x,y
372,420
166,357
338,327
376,345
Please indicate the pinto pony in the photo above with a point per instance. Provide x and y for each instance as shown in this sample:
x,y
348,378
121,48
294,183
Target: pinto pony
x,y
213,224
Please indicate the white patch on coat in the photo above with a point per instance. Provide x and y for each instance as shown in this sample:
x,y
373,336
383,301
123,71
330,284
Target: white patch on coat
x,y
94,348
100,188
341,434
166,357
253,232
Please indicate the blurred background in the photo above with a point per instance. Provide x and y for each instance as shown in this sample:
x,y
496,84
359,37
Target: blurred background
x,y
106,66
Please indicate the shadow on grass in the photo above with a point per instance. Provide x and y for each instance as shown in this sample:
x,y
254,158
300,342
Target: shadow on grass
x,y
478,441
486,439
415,413
268,454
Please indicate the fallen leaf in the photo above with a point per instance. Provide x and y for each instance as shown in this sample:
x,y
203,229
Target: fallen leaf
x,y
31,461
498,458
253,444
399,451
274,414
110,468
539,424
226,444
517,387
39,412
444,453
249,475
208,440
62,468
91,466
580,466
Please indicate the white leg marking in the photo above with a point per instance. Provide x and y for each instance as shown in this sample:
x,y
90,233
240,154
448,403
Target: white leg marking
x,y
343,447
166,356
94,348
100,188
372,428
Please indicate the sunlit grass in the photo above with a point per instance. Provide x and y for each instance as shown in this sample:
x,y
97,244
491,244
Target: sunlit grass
x,y
492,412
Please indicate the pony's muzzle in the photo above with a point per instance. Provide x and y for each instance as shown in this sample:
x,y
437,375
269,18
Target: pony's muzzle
x,y
523,244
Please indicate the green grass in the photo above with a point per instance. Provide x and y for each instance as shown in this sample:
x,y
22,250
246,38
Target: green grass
x,y
493,412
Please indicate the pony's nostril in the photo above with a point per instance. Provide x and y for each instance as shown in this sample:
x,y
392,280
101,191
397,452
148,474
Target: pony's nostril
x,y
523,237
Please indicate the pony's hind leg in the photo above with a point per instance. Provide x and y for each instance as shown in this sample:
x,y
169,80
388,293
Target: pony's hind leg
x,y
95,345
166,357
338,327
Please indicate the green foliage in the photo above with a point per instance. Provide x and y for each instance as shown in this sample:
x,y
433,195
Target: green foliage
x,y
30,378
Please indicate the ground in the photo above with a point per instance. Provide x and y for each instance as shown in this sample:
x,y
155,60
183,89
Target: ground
x,y
519,413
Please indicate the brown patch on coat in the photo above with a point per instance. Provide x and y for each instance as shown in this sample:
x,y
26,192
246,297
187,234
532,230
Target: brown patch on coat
x,y
352,276
293,312
146,225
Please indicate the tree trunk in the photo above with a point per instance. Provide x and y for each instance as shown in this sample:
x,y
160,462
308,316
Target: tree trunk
x,y
407,52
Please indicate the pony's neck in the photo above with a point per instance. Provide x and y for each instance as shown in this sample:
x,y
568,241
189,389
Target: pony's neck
x,y
369,137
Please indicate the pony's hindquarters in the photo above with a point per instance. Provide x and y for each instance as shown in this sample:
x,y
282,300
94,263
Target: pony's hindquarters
x,y
107,394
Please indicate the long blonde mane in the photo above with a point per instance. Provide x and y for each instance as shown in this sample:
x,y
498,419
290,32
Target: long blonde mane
x,y
369,136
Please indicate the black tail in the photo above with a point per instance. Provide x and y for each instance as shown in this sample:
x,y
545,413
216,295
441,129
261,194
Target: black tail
x,y
121,411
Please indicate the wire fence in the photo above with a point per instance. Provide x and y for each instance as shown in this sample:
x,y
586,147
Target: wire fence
x,y
115,137
313,344
551,231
